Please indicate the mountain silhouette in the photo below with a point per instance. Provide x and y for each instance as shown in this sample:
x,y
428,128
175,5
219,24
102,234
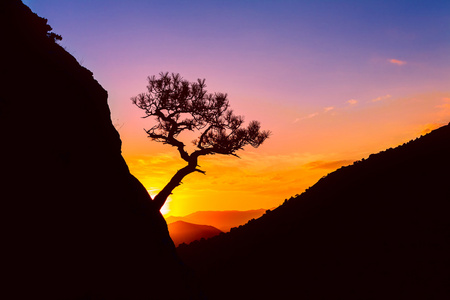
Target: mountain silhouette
x,y
75,223
223,220
378,229
184,232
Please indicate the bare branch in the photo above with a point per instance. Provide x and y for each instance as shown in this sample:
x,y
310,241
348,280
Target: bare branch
x,y
200,171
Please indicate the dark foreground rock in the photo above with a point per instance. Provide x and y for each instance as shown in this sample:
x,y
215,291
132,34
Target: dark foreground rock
x,y
75,223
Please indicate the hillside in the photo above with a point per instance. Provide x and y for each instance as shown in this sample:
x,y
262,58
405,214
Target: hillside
x,y
75,223
184,232
223,220
378,229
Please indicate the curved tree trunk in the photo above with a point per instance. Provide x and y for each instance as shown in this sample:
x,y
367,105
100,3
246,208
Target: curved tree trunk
x,y
162,196
192,160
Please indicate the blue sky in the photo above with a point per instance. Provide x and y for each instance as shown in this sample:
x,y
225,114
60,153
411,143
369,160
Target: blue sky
x,y
317,42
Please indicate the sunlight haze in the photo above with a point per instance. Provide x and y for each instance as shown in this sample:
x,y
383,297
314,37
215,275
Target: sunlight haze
x,y
334,81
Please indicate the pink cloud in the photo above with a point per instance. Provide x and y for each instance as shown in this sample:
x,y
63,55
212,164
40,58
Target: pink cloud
x,y
352,101
397,62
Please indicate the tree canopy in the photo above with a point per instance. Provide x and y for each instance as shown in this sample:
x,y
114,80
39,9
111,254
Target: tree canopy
x,y
177,105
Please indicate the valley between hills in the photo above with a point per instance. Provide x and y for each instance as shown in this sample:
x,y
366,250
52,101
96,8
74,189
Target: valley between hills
x,y
206,224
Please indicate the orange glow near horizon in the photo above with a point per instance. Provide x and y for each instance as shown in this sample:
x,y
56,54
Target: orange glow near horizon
x,y
298,153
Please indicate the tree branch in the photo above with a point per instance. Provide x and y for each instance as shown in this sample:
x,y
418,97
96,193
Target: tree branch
x,y
200,171
202,136
170,139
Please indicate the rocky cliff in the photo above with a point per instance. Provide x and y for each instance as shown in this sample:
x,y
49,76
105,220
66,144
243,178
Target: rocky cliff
x,y
76,223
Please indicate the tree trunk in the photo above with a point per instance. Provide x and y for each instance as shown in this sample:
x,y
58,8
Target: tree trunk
x,y
162,196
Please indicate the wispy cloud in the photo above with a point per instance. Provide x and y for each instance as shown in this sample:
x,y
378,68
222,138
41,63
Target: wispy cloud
x,y
397,62
310,116
352,101
381,98
315,114
444,108
446,103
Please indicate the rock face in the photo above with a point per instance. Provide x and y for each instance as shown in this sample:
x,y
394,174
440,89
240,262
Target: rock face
x,y
76,223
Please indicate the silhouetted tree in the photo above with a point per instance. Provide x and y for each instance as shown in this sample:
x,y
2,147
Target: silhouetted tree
x,y
178,105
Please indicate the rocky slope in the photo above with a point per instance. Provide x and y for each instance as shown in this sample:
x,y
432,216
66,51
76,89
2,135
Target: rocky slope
x,y
378,229
75,223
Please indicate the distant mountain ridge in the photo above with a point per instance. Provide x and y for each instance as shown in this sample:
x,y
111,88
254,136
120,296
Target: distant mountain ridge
x,y
223,220
378,229
184,232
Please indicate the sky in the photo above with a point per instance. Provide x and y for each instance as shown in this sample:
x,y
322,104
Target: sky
x,y
334,81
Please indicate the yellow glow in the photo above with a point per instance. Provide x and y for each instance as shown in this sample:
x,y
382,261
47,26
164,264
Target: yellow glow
x,y
165,210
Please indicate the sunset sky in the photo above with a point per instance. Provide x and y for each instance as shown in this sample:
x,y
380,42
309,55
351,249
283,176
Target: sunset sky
x,y
333,80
